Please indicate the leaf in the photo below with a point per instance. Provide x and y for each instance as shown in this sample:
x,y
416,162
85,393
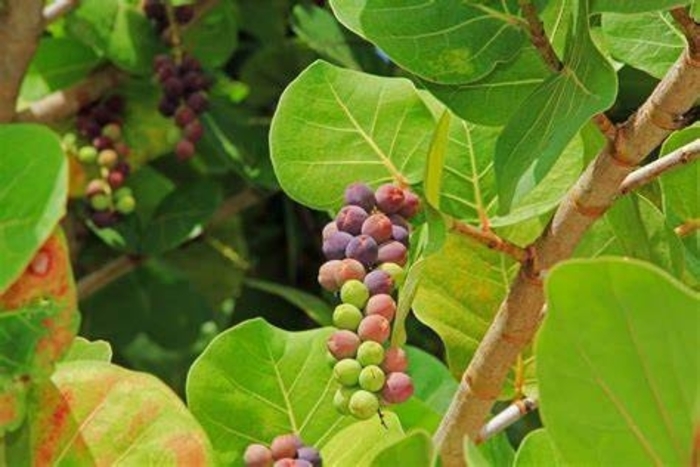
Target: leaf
x,y
120,417
34,181
459,306
493,452
638,6
548,119
83,349
213,36
358,443
266,21
436,160
415,449
646,41
407,294
681,193
315,308
537,449
617,365
379,130
117,30
446,41
255,381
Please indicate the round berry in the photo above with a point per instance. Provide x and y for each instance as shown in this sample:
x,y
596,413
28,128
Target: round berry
x,y
374,328
112,131
101,142
125,204
123,191
198,102
343,344
355,293
397,273
184,116
379,282
115,179
100,202
87,154
350,219
341,399
257,455
395,360
346,316
372,378
184,149
309,454
378,226
349,269
347,372
194,131
334,246
122,148
411,204
398,388
400,234
364,249
382,305
328,275
103,219
167,107
285,446
95,187
173,88
107,158
363,404
392,252
370,353
389,198
184,14
400,221
359,194
329,229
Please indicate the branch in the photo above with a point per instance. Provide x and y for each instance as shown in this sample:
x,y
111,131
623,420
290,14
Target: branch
x,y
519,315
21,24
681,156
690,29
57,9
107,274
687,227
506,418
65,103
491,240
538,36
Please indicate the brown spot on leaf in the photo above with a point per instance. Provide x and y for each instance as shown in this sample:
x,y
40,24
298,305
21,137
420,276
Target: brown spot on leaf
x,y
188,450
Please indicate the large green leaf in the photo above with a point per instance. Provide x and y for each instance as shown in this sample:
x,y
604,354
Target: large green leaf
x,y
548,119
447,41
378,129
617,364
416,449
646,41
98,413
255,382
34,181
213,36
459,293
359,443
636,6
83,349
537,449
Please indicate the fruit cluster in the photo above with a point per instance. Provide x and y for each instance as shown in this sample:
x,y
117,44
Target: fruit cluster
x,y
285,451
157,12
104,158
366,247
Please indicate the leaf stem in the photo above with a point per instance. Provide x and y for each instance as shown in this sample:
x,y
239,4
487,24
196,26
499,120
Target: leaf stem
x,y
489,239
690,29
538,36
107,274
506,418
57,9
687,227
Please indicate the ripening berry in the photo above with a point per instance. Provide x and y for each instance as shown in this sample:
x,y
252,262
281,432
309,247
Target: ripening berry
x,y
379,227
107,158
389,198
328,275
363,404
379,282
123,191
395,271
374,328
193,81
102,115
399,234
411,204
343,344
398,388
123,167
257,455
125,204
400,221
103,219
395,360
372,378
198,102
95,187
382,305
122,148
392,252
190,63
184,116
101,142
285,446
359,194
114,103
347,372
329,229
161,60
194,131
285,462
355,293
167,107
370,353
100,202
184,14
184,149
115,179
349,269
112,131
309,454
173,88
302,463
346,316
341,399
87,154
350,219
364,249
334,246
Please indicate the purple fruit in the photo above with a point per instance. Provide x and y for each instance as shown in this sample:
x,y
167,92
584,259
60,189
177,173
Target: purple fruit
x,y
327,275
103,219
173,88
379,282
374,328
392,252
398,388
379,227
400,221
395,360
198,102
349,269
382,305
411,204
350,219
184,116
257,455
329,229
285,446
167,106
343,344
184,149
359,194
310,455
194,131
184,13
399,234
101,142
364,249
334,246
285,462
389,198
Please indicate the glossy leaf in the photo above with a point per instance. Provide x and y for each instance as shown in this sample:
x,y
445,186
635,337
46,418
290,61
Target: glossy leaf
x,y
212,36
537,449
359,443
551,116
415,449
255,381
378,127
116,416
632,400
83,349
436,160
445,41
315,308
681,187
638,6
493,452
647,41
34,180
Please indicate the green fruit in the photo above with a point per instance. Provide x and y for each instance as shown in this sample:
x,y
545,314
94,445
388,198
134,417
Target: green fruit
x,y
126,204
87,155
395,271
347,372
123,191
69,139
112,131
363,404
341,399
370,353
347,316
372,378
355,293
100,202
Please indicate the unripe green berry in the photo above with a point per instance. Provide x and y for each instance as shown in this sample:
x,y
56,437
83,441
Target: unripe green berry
x,y
370,353
372,378
363,404
69,139
126,204
341,399
346,316
123,191
355,293
87,155
347,372
395,271
107,158
100,202
112,131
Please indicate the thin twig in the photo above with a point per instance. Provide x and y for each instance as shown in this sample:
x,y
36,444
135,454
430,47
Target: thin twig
x,y
538,36
675,159
174,37
107,274
506,418
687,227
490,239
235,204
65,103
605,125
57,9
690,29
